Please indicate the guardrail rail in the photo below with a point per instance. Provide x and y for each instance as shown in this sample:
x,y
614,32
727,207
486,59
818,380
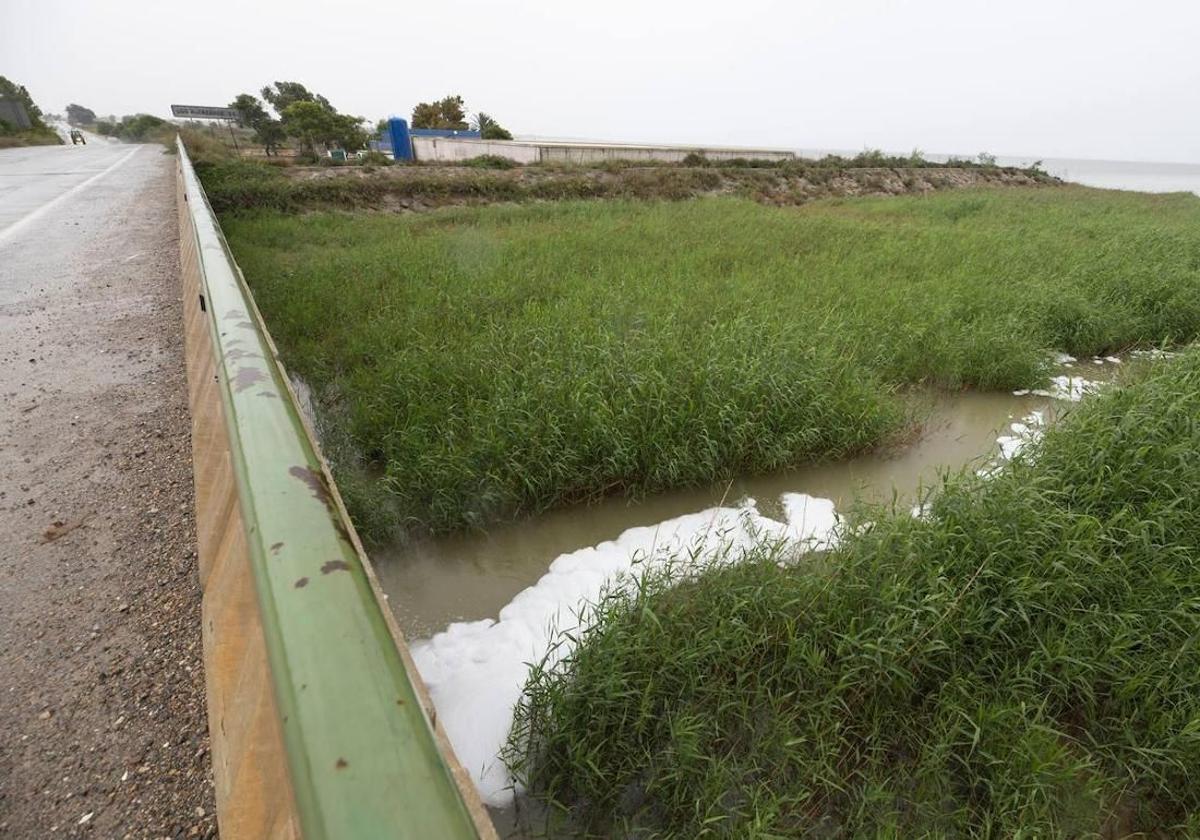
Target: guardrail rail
x,y
320,724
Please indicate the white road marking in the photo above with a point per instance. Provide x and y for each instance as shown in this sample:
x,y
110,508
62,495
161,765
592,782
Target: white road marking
x,y
20,224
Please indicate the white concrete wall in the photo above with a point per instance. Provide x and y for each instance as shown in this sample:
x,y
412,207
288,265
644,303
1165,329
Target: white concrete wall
x,y
448,149
451,149
595,153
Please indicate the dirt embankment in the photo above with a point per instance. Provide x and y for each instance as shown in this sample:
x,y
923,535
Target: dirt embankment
x,y
244,185
426,187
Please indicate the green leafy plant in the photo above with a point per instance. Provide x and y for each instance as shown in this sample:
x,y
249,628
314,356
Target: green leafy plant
x,y
489,129
448,113
490,162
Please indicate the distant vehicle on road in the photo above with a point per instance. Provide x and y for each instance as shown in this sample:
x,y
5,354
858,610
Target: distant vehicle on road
x,y
77,137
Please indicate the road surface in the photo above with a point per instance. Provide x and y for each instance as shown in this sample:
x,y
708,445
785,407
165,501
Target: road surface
x,y
102,729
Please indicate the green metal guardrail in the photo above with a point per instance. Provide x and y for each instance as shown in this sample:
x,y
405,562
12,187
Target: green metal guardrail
x,y
361,755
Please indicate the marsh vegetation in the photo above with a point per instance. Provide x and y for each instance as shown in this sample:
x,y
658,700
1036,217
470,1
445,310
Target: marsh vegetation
x,y
1017,662
482,364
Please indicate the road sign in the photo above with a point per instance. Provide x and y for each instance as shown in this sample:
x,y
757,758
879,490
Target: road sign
x,y
203,112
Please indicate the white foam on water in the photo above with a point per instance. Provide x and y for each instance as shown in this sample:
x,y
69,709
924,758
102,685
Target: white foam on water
x,y
475,670
1021,434
1063,359
1070,388
1153,353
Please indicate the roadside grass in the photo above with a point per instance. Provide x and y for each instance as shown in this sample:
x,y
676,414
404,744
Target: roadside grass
x,y
1020,663
488,363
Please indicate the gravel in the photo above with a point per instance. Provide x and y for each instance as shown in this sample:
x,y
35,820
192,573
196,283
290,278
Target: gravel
x,y
102,719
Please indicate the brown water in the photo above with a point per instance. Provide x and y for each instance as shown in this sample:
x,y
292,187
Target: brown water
x,y
467,577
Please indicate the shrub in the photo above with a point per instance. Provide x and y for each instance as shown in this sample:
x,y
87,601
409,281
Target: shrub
x,y
375,158
490,162
748,163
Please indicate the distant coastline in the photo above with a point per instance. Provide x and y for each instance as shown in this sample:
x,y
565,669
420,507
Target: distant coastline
x,y
1143,176
1122,175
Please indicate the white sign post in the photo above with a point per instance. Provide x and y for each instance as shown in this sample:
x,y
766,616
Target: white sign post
x,y
205,112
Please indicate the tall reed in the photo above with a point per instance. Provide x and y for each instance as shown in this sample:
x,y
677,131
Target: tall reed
x,y
489,363
1020,663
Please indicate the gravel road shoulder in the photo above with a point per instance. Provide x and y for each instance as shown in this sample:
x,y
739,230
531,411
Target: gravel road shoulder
x,y
102,719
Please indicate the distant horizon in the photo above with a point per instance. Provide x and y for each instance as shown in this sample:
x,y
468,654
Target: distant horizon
x,y
803,151
1095,83
806,151
518,135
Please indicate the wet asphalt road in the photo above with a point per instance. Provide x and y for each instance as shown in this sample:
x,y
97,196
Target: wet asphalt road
x,y
102,725
37,181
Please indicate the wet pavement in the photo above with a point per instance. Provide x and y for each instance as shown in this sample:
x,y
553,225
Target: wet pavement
x,y
102,721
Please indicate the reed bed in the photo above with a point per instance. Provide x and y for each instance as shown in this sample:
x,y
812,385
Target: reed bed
x,y
1021,662
487,363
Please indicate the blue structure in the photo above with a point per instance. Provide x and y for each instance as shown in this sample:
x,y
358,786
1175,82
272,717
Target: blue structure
x,y
398,138
401,143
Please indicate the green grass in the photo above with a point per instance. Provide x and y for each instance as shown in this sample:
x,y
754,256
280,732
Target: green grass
x,y
494,362
1023,663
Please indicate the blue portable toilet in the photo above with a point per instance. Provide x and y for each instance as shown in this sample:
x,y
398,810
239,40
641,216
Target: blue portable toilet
x,y
401,142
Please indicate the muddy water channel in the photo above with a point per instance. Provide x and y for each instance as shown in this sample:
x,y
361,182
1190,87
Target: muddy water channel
x,y
472,576
477,608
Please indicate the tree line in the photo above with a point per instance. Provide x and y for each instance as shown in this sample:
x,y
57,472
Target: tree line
x,y
451,113
289,110
285,111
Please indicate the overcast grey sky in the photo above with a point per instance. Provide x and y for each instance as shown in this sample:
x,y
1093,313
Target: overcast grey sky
x,y
1054,78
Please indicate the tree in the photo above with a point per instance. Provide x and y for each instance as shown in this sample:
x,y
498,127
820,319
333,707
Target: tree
x,y
489,129
314,125
285,94
268,132
140,127
310,123
137,128
12,90
304,115
448,113
79,115
348,132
